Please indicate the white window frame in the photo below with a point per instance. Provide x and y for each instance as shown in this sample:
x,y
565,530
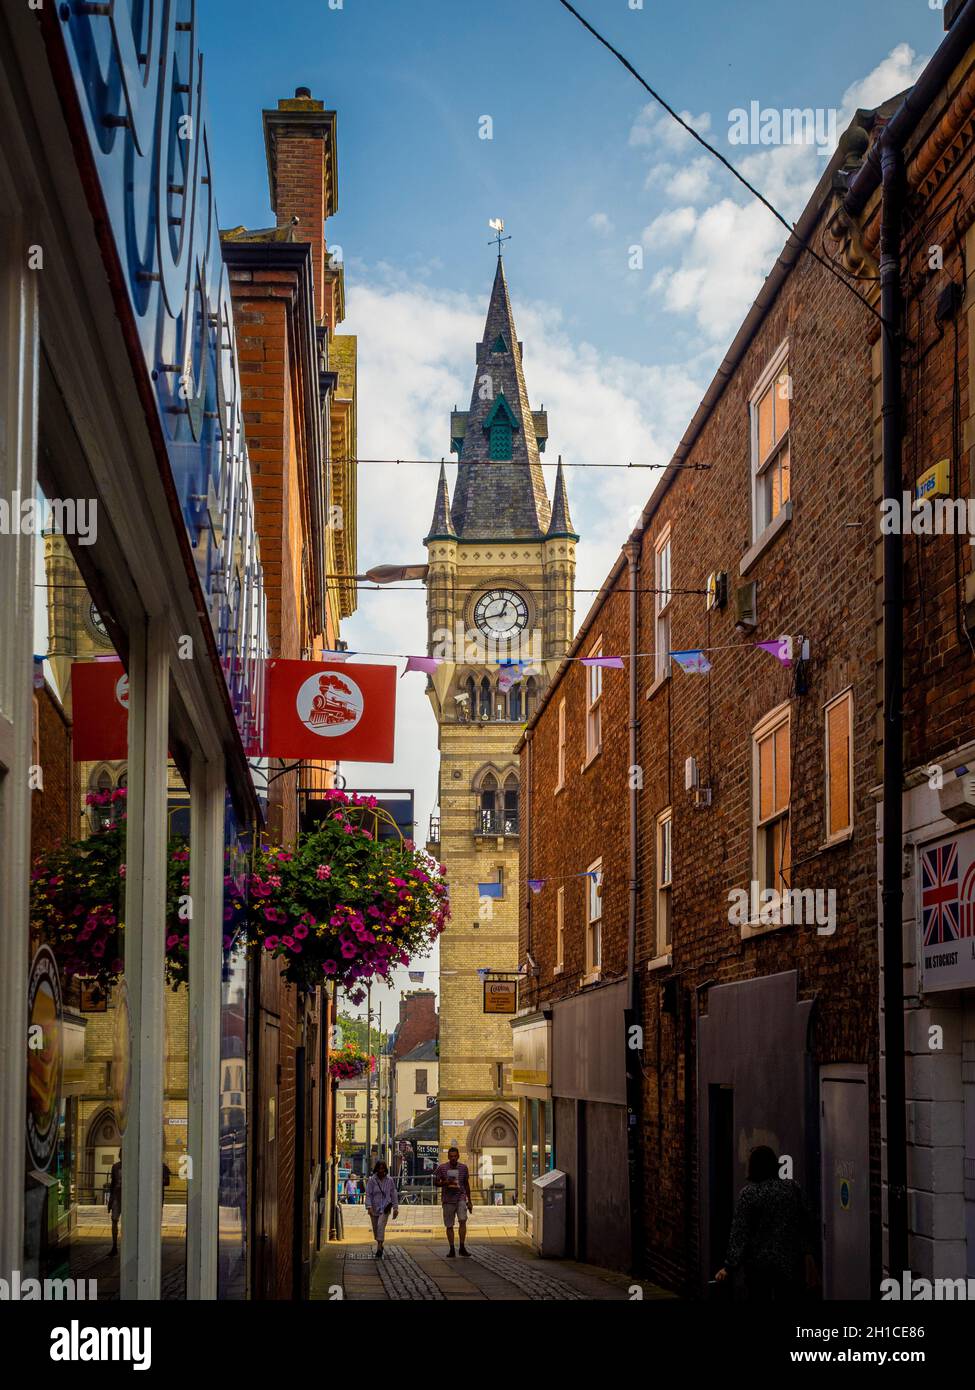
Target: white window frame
x,y
663,580
838,836
594,705
774,720
759,467
594,921
560,755
663,920
559,930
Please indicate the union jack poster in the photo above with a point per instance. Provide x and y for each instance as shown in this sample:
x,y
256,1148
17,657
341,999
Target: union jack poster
x,y
946,912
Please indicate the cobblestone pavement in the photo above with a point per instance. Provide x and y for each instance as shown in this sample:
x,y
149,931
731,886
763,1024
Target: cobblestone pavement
x,y
501,1267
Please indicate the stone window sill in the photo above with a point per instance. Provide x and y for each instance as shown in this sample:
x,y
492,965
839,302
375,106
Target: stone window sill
x,y
753,929
767,537
591,759
661,962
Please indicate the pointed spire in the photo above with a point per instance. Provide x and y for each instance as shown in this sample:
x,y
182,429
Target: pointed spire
x,y
502,496
561,523
441,527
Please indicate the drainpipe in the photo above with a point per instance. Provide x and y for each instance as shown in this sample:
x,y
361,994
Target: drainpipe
x,y
633,1056
892,168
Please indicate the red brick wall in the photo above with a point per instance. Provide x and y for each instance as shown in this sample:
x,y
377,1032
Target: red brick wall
x,y
419,1021
816,579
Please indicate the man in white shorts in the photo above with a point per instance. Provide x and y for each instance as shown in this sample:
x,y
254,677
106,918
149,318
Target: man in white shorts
x,y
453,1179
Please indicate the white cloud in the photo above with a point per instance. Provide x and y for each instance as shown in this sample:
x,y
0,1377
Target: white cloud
x,y
654,127
725,253
599,222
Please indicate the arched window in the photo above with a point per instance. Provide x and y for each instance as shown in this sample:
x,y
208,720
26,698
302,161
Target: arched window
x,y
514,702
531,696
485,710
470,709
511,804
489,803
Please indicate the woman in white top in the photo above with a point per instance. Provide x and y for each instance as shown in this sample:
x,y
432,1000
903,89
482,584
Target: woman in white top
x,y
382,1200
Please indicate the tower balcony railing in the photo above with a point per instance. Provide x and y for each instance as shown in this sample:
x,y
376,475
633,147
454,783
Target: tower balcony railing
x,y
496,822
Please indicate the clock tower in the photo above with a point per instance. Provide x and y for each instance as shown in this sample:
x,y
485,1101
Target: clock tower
x,y
500,598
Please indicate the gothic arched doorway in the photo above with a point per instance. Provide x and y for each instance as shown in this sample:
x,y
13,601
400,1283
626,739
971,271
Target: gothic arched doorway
x,y
493,1148
103,1145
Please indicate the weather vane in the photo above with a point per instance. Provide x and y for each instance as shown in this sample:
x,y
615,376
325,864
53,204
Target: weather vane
x,y
497,225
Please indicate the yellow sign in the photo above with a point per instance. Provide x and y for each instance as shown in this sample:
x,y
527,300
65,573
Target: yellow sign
x,y
935,482
500,996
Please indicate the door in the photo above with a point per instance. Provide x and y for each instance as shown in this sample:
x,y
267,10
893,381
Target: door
x,y
845,1178
266,1196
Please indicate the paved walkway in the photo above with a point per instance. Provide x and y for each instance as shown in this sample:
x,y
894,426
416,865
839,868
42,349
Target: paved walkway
x,y
416,1267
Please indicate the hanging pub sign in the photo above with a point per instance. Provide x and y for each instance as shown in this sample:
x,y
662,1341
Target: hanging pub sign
x,y
500,996
99,711
321,710
946,912
138,81
45,1058
314,710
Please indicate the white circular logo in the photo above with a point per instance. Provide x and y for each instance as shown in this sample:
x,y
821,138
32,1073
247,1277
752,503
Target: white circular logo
x,y
122,691
329,703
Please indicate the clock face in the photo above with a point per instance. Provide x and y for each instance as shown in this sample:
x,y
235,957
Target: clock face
x,y
501,613
95,620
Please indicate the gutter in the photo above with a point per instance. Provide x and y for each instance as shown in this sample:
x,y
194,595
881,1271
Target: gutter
x,y
884,168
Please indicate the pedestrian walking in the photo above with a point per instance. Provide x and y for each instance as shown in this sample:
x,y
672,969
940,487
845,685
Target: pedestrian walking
x,y
360,1190
453,1179
350,1190
772,1234
115,1197
382,1202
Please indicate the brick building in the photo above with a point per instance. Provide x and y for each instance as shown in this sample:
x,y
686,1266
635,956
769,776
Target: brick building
x,y
288,299
418,1023
929,142
664,806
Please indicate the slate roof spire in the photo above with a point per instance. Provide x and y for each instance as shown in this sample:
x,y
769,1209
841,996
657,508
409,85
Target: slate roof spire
x,y
441,527
499,498
561,523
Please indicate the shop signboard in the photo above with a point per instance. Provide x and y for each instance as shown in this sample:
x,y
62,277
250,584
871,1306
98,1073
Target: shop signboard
x,y
946,912
138,78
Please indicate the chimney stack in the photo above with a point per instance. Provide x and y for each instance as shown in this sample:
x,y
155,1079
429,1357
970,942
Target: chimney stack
x,y
299,138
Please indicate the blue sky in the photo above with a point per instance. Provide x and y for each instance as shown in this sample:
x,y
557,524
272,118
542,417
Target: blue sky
x,y
583,169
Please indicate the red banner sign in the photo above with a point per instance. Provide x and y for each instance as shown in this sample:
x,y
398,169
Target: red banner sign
x,y
99,711
331,710
317,710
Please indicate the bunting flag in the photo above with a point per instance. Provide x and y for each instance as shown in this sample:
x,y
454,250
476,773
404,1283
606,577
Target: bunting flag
x,y
615,663
99,711
427,664
316,711
489,890
416,976
336,656
693,661
780,648
536,884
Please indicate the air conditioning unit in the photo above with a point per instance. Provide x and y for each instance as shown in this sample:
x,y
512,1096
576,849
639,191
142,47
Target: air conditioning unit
x,y
957,796
746,607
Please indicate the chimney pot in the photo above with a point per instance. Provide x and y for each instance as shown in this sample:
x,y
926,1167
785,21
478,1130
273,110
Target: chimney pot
x,y
303,92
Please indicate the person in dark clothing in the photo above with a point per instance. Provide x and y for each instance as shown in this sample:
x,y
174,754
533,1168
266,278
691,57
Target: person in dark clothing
x,y
772,1233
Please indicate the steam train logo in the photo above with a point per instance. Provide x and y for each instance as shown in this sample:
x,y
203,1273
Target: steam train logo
x,y
329,704
122,690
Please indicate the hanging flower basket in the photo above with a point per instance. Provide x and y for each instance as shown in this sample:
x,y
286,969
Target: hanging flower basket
x,y
78,903
346,905
350,1062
